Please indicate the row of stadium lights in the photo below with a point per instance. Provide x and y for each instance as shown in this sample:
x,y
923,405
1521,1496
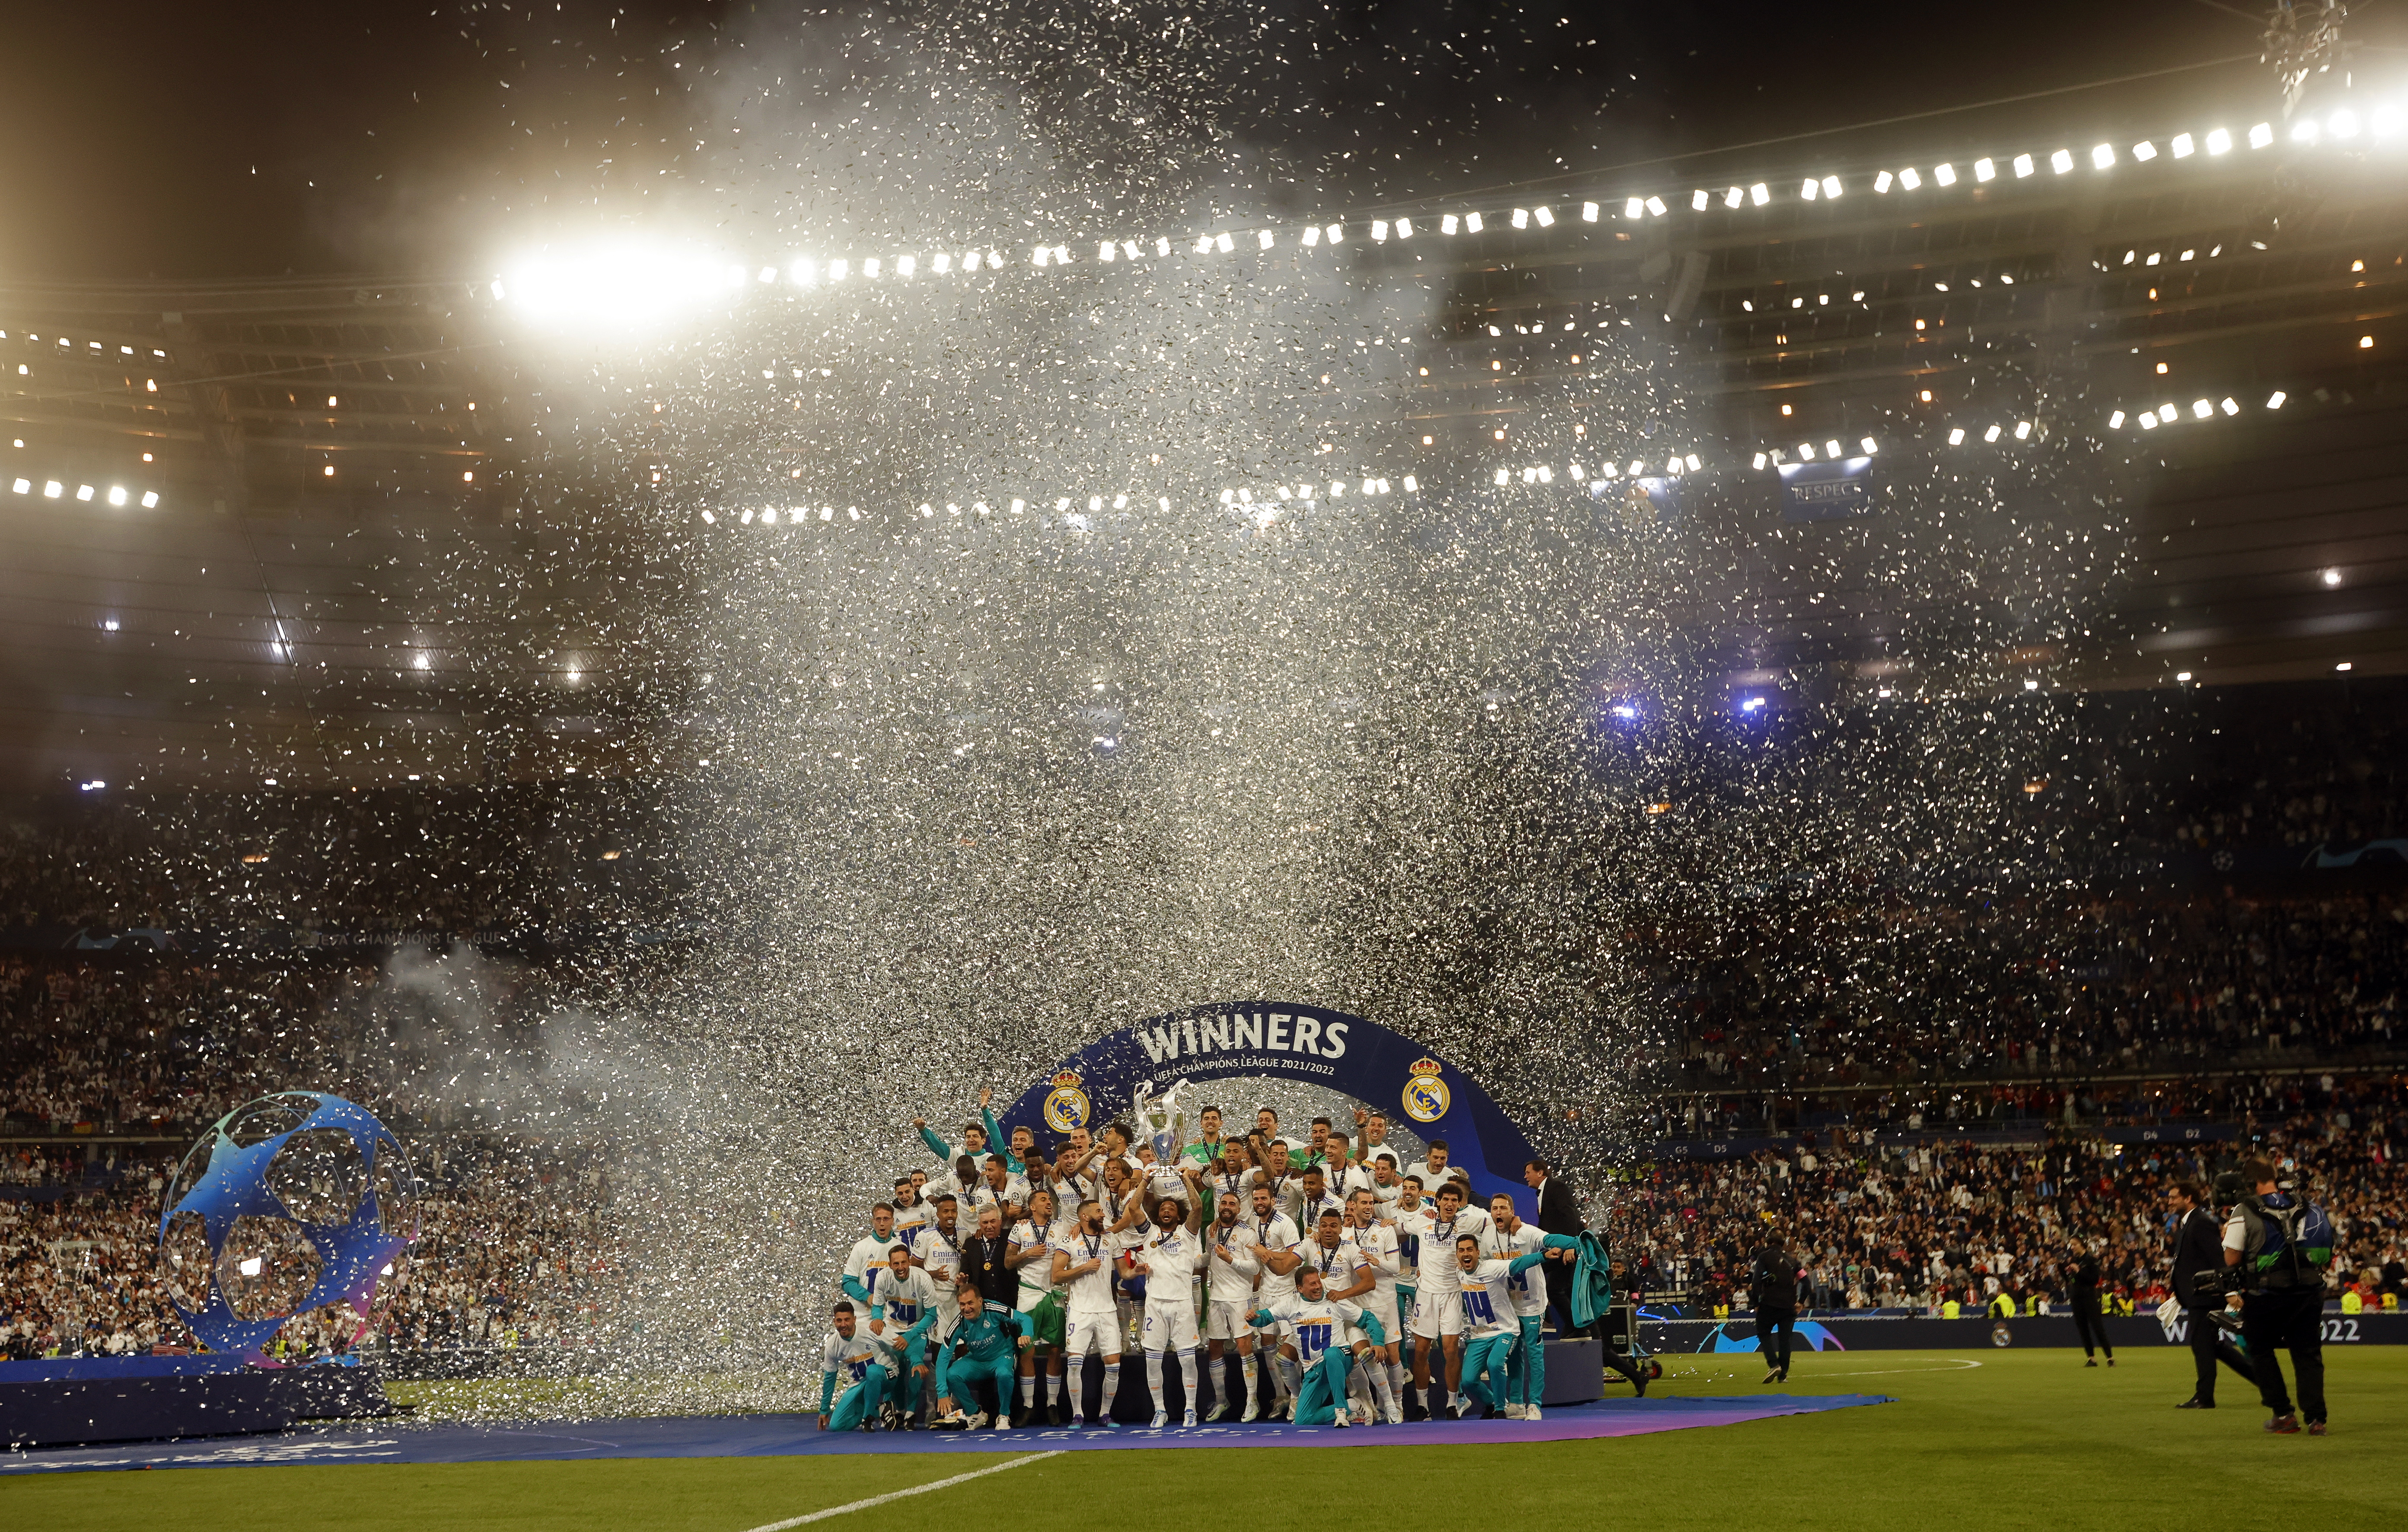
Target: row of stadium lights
x,y
1265,507
2343,126
53,489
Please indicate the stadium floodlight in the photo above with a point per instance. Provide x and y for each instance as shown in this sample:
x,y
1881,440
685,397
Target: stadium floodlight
x,y
1811,189
1502,476
1990,435
906,265
1634,207
500,294
970,261
768,274
2274,401
52,489
150,499
1986,168
1311,235
116,494
1105,251
1637,467
2148,420
1692,461
1379,233
1733,197
1830,187
1759,193
839,269
2102,157
2184,146
1911,178
2022,431
1832,447
1869,446
1449,224
2305,130
2168,413
2144,150
1699,200
1655,207
2201,408
2229,406
1405,227
1335,234
1945,174
2061,162
2219,142
1521,218
1957,436
1412,485
1472,222
1806,451
1161,246
870,267
1759,460
22,486
2116,420
1881,182
1588,212
2343,123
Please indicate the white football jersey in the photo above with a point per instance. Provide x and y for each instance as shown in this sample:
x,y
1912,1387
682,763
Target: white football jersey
x,y
939,1254
1439,1269
1274,1234
867,1263
1487,1301
1231,1280
851,1360
1172,1259
910,1220
1336,1263
1529,1288
1092,1292
1376,1247
1320,1324
1411,1224
902,1300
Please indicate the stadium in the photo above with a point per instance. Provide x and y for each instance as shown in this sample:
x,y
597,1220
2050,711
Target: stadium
x,y
774,764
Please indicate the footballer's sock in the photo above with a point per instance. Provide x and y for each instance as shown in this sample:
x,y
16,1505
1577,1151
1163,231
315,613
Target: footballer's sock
x,y
1154,1377
1289,1375
1027,1392
1395,1373
1111,1388
1383,1396
1254,1377
1183,1366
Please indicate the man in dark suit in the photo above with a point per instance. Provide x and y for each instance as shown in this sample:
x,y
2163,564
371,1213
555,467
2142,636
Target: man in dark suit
x,y
2198,1281
1557,1215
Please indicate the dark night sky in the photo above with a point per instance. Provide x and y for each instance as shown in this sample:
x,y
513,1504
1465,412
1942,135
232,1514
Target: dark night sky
x,y
182,140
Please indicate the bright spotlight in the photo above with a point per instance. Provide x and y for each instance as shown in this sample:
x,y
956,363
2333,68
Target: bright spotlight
x,y
2102,157
1759,193
2144,150
2218,142
1945,174
618,284
1633,208
2061,162
2343,123
1910,178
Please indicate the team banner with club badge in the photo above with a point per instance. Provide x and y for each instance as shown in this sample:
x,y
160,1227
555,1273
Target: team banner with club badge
x,y
1261,1038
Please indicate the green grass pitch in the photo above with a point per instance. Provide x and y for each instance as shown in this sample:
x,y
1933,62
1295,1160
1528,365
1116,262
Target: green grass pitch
x,y
2007,1438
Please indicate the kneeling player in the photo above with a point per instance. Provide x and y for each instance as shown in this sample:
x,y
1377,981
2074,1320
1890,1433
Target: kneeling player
x,y
1325,1337
864,1360
981,1349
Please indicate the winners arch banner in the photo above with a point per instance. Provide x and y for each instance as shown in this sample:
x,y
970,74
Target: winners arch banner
x,y
1249,1039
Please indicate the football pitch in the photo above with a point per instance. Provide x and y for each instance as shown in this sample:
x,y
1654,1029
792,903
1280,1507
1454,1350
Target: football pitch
x,y
2009,1439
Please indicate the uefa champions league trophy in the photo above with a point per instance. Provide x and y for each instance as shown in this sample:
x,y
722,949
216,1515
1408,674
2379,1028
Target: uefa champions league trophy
x,y
1158,1118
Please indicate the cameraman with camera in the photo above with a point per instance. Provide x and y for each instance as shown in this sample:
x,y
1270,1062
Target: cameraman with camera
x,y
2282,1244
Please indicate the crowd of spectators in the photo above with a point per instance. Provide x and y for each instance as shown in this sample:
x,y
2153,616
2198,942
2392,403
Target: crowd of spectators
x,y
1922,1221
2054,985
514,1250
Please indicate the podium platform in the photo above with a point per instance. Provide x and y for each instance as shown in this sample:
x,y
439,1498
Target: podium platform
x,y
76,1401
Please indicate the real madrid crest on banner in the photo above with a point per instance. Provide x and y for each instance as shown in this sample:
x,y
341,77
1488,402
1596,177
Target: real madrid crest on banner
x,y
1065,1104
1426,1094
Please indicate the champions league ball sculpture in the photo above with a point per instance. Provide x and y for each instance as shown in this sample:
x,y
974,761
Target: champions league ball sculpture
x,y
288,1203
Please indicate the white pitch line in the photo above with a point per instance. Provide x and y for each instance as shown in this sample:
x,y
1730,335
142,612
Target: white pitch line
x,y
898,1494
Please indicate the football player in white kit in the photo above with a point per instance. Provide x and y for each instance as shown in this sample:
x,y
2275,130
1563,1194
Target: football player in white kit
x,y
1275,1239
1491,1328
1438,1307
938,1249
905,1298
1232,1261
1032,1259
1168,1261
1083,1267
1378,1261
1527,1370
864,1265
1326,1329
